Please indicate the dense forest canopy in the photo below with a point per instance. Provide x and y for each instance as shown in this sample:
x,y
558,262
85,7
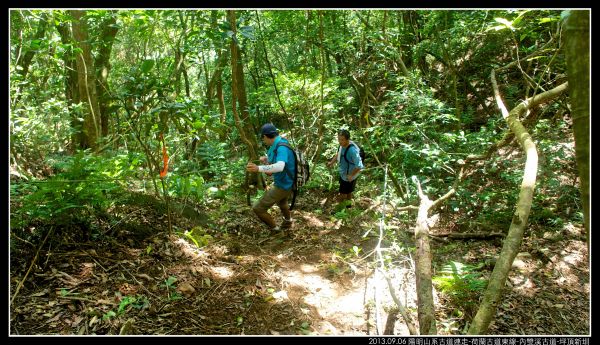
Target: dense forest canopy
x,y
131,129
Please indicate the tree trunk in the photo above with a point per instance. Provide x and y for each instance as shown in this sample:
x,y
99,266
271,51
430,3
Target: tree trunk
x,y
216,80
512,242
109,31
86,82
71,88
320,134
577,49
426,309
238,90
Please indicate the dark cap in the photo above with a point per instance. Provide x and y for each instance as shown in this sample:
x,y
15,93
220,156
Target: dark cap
x,y
268,129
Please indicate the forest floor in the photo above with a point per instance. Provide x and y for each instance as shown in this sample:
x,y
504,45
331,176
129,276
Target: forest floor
x,y
136,278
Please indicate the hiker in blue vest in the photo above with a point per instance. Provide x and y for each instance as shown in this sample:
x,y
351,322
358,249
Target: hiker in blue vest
x,y
280,162
350,165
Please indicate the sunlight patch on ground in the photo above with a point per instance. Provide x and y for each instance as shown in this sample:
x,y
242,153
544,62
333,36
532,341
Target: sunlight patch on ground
x,y
331,302
565,266
344,303
574,230
523,285
520,277
308,268
189,249
222,272
313,221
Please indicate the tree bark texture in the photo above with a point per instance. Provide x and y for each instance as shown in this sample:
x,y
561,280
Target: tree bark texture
x,y
86,82
109,31
577,49
71,87
426,309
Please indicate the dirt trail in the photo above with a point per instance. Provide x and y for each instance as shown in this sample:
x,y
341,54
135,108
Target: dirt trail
x,y
321,279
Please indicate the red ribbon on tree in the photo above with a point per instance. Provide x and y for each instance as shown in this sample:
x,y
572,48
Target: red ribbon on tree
x,y
163,173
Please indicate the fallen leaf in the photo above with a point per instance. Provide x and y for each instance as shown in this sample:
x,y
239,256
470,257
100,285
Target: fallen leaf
x,y
56,317
186,288
93,320
76,321
128,289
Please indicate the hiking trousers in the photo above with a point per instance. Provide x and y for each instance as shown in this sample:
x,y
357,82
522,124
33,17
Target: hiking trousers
x,y
274,195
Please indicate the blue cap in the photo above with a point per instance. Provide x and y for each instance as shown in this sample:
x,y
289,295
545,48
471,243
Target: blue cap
x,y
268,129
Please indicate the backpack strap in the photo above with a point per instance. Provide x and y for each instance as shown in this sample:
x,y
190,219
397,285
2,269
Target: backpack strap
x,y
346,159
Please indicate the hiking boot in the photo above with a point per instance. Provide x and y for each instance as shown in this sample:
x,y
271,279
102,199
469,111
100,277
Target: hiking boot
x,y
287,224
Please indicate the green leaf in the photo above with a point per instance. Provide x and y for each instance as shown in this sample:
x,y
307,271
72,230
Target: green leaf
x,y
35,44
147,66
547,20
198,124
247,31
170,281
506,22
517,20
108,315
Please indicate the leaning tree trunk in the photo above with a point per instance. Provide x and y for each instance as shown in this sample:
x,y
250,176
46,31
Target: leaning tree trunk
x,y
512,242
87,82
577,48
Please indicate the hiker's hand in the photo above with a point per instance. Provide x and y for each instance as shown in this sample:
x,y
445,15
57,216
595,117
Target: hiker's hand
x,y
251,167
263,159
330,164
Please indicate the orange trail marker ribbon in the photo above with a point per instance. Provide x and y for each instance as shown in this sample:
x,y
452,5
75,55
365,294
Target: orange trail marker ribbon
x,y
163,173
